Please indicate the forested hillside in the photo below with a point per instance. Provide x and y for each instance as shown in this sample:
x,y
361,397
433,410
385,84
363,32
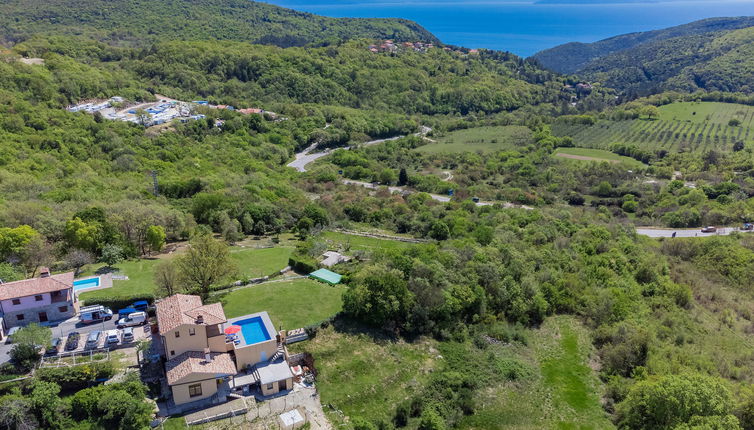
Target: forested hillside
x,y
149,21
574,57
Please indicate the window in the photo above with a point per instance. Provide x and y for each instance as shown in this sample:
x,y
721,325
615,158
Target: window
x,y
172,352
177,334
37,298
16,301
63,309
192,331
195,390
269,386
20,317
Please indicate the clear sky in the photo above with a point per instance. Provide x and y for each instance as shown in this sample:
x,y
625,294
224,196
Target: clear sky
x,y
525,27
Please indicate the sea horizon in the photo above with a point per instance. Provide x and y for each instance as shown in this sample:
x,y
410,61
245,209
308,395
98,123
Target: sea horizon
x,y
527,27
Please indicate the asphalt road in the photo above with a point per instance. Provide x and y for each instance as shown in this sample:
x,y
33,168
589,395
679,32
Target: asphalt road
x,y
682,232
307,156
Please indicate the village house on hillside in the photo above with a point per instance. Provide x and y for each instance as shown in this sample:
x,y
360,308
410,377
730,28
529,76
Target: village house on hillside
x,y
207,356
46,298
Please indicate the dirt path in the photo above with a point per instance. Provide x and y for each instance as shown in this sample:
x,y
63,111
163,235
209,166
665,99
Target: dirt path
x,y
584,157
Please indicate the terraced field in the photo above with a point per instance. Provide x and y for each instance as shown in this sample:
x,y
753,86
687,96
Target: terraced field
x,y
682,127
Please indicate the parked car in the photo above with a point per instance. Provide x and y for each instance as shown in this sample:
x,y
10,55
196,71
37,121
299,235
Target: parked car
x,y
92,341
112,337
140,305
11,332
72,342
123,313
709,229
128,335
95,313
134,319
54,346
748,226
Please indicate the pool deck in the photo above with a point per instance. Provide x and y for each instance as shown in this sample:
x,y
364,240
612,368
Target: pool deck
x,y
105,281
265,320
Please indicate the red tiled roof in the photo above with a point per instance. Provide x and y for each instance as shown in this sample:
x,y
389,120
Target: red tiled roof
x,y
34,286
179,309
191,362
249,111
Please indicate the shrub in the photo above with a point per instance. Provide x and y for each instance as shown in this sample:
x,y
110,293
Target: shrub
x,y
303,264
118,302
77,377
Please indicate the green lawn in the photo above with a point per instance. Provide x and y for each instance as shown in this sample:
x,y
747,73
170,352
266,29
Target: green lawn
x,y
597,155
484,139
252,262
255,263
292,304
352,242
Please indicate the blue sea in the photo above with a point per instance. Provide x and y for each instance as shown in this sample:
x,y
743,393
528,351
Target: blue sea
x,y
526,27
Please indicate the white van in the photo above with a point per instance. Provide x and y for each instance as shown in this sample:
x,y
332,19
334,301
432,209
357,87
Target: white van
x,y
134,319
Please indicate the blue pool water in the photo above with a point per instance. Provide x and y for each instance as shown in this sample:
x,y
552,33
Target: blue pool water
x,y
253,330
85,283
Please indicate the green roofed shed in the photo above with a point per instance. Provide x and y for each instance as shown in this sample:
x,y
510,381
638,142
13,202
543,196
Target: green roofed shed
x,y
325,275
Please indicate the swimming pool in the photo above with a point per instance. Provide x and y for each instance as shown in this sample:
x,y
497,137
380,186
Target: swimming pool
x,y
253,330
84,284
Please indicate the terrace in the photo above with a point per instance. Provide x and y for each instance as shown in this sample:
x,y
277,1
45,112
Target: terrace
x,y
254,328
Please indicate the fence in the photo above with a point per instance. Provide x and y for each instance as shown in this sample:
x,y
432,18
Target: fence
x,y
76,357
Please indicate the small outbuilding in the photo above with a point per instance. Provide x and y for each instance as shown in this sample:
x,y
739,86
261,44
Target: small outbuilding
x,y
291,420
326,276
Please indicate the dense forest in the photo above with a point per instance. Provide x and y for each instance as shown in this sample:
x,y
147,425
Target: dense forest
x,y
135,22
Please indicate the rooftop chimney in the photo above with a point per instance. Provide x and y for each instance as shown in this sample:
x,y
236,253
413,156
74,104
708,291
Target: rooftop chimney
x,y
207,355
200,319
44,272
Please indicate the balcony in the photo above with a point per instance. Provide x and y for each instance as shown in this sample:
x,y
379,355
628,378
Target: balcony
x,y
60,296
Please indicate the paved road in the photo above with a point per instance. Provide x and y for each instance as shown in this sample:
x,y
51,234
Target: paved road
x,y
681,232
307,155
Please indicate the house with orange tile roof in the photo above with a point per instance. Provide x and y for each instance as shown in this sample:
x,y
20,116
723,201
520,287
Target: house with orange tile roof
x,y
206,358
46,298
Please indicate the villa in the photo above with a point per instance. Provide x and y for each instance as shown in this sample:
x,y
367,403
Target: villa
x,y
46,298
207,356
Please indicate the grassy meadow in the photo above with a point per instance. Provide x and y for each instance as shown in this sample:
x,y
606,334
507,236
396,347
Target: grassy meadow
x,y
590,154
349,242
682,127
479,139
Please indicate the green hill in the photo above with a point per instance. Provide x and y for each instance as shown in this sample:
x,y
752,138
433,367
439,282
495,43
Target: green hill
x,y
575,57
145,20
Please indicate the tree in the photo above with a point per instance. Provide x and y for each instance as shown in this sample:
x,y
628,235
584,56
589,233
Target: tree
x,y
78,258
45,404
82,235
15,413
672,400
439,231
37,252
156,238
304,226
27,342
9,273
386,176
166,279
379,296
650,111
112,255
205,262
402,177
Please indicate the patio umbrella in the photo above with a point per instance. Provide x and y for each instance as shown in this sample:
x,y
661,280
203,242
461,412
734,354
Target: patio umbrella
x,y
233,329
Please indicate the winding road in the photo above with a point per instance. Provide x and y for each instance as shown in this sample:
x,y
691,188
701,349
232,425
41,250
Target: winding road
x,y
307,156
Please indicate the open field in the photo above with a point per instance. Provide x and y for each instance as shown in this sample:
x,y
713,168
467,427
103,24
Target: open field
x,y
677,130
484,139
590,154
562,393
291,304
347,242
366,377
251,263
255,263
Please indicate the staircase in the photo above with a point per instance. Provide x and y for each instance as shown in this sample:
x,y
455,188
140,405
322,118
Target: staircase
x,y
278,354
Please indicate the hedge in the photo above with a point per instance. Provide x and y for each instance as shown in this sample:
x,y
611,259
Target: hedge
x,y
303,264
118,302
